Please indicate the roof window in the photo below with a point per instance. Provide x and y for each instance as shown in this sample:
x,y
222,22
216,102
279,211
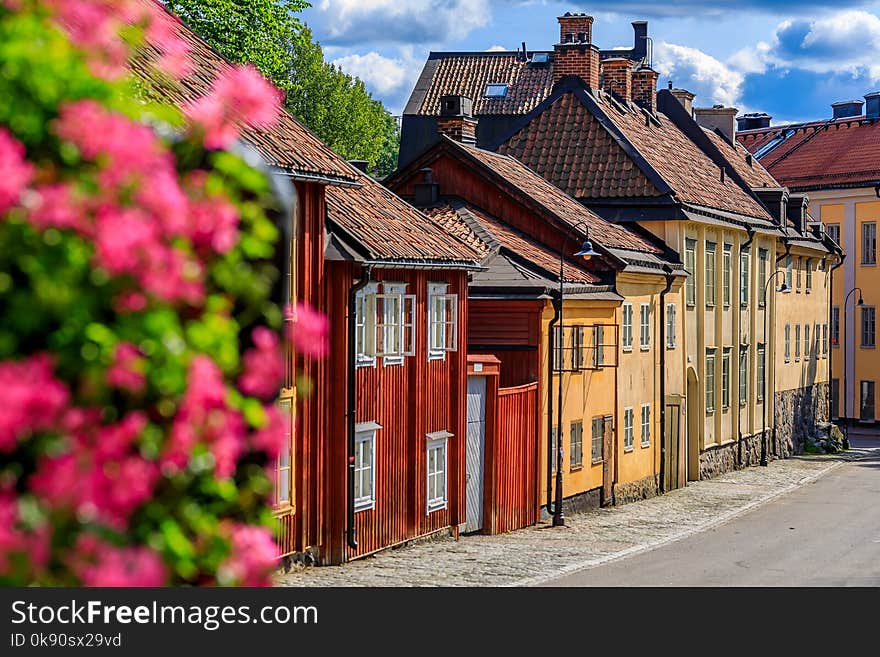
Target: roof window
x,y
540,58
496,91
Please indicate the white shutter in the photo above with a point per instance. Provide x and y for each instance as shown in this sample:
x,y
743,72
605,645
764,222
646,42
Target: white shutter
x,y
408,321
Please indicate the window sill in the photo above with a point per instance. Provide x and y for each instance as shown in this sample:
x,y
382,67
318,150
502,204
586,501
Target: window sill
x,y
670,347
627,450
627,350
598,461
440,356
436,507
864,346
646,445
391,362
366,363
284,509
648,348
364,506
576,468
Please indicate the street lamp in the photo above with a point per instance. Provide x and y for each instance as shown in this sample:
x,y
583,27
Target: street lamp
x,y
860,303
783,289
586,252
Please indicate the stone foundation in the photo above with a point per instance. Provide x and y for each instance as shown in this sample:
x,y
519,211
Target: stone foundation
x,y
579,503
798,415
634,491
719,459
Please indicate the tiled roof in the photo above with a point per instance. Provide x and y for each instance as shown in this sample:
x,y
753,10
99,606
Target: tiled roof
x,y
557,202
567,144
467,74
394,230
841,153
289,145
745,165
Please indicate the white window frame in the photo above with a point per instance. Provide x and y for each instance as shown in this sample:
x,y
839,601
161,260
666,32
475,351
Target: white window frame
x,y
646,425
596,439
808,342
400,321
788,343
628,433
437,440
726,274
763,258
365,434
670,326
598,347
809,282
743,375
438,292
573,462
725,378
762,372
745,258
711,371
286,410
627,314
797,343
690,259
365,326
711,257
869,243
644,326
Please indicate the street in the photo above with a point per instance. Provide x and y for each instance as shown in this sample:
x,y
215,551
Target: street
x,y
826,533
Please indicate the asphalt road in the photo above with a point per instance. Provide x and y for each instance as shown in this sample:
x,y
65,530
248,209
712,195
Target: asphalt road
x,y
826,533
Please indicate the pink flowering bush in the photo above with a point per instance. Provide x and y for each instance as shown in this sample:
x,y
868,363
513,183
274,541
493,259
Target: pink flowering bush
x,y
140,350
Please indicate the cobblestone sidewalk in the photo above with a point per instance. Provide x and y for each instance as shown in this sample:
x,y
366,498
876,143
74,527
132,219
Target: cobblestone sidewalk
x,y
536,554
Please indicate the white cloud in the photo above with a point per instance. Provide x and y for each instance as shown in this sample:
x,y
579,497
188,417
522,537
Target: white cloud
x,y
391,78
400,21
713,81
496,48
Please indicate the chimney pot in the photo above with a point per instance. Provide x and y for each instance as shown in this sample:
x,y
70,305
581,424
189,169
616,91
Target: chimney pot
x,y
457,120
720,117
575,54
847,108
872,105
753,121
685,97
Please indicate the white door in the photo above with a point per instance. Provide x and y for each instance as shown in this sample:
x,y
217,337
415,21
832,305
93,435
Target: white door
x,y
476,447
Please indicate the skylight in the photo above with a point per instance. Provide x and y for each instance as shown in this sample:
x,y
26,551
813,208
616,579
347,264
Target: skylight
x,y
773,143
540,58
496,91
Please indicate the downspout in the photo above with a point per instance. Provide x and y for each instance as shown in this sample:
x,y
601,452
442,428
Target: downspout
x,y
739,438
772,402
831,347
557,315
351,394
670,279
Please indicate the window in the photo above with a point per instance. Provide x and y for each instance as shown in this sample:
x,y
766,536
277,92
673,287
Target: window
x,y
710,380
598,349
835,326
869,243
807,344
436,470
645,327
833,231
788,264
283,481
725,276
670,326
364,466
557,348
710,273
868,317
761,364
627,327
577,348
395,334
809,268
365,325
743,375
496,91
867,401
825,340
797,342
442,321
787,343
690,264
762,275
576,453
744,278
554,447
596,445
725,379
798,276
817,341
646,425
628,429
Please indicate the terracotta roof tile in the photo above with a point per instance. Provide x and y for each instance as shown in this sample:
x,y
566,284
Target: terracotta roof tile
x,y
748,168
841,153
567,145
289,145
394,230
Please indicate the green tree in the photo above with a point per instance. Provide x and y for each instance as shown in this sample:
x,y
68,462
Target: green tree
x,y
335,106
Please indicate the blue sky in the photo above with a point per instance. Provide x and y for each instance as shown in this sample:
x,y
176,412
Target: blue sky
x,y
791,58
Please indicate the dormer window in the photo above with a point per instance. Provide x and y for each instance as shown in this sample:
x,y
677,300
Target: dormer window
x,y
540,58
496,91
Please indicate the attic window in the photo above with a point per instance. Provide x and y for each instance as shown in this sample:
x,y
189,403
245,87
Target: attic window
x,y
496,91
540,58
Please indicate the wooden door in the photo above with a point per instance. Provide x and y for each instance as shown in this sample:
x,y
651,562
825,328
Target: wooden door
x,y
607,461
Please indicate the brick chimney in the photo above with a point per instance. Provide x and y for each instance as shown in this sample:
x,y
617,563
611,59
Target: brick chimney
x,y
686,98
575,53
617,77
718,116
644,88
457,120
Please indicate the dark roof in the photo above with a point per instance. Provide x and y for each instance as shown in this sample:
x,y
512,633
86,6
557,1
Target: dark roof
x,y
820,154
467,74
392,230
289,145
594,147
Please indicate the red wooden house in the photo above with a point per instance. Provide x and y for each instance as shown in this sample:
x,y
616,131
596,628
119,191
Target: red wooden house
x,y
377,456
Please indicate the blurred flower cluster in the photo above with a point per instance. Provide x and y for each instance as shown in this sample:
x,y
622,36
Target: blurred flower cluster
x,y
140,347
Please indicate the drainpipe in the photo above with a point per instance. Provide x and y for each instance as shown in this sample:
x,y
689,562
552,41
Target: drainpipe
x,y
831,347
772,402
351,394
670,279
739,438
557,316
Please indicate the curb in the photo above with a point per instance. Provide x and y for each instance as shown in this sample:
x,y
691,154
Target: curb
x,y
710,524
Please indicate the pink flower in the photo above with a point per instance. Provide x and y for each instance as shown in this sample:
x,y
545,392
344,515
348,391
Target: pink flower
x,y
270,438
214,225
240,96
94,25
57,207
309,330
263,366
97,563
163,34
252,557
15,171
129,302
29,546
33,399
126,372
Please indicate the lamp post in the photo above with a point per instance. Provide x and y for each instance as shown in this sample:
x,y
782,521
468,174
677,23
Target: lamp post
x,y
783,289
860,303
586,252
